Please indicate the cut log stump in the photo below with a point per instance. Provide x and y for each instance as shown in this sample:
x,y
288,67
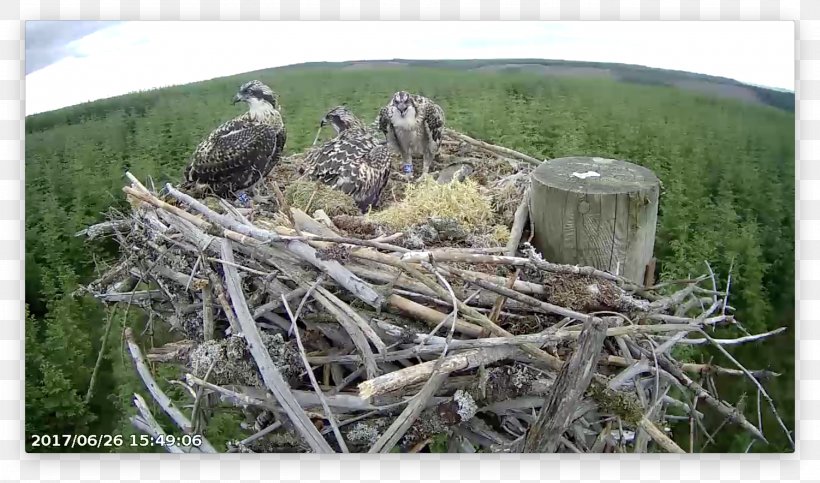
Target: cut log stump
x,y
595,211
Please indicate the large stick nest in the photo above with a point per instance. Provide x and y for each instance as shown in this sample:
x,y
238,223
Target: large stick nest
x,y
422,333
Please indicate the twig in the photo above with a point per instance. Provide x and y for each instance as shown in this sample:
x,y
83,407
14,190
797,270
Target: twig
x,y
520,219
146,423
492,147
756,383
573,380
316,388
164,401
104,344
270,374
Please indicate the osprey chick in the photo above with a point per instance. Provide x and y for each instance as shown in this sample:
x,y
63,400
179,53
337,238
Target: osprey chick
x,y
354,162
412,124
241,152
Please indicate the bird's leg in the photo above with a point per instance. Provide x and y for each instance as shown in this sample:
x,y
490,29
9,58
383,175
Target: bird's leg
x,y
243,199
428,160
407,165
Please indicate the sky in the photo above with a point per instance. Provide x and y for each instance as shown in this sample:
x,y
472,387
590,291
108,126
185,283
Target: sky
x,y
69,62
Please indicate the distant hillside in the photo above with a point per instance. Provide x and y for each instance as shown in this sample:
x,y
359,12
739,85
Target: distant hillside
x,y
707,84
635,74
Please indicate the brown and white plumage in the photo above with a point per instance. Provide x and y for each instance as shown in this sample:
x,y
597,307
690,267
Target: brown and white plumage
x,y
413,125
241,152
354,162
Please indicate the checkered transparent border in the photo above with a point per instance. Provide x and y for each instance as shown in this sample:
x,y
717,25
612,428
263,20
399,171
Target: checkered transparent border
x,y
16,465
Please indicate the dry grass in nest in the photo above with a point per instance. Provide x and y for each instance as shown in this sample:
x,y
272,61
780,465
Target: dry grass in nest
x,y
287,170
462,202
581,292
310,196
356,226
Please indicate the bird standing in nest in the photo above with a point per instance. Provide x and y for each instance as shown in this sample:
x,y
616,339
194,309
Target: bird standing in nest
x,y
354,161
413,125
241,152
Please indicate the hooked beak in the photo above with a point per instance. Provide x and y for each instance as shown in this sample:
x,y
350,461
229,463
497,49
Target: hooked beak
x,y
236,98
402,108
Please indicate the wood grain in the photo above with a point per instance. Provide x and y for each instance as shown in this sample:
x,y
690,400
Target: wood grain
x,y
606,221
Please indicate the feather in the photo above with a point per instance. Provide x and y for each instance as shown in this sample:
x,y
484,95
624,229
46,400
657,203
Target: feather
x,y
413,125
241,152
354,162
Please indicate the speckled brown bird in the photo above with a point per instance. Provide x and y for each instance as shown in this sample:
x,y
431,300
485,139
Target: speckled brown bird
x,y
241,152
354,162
413,125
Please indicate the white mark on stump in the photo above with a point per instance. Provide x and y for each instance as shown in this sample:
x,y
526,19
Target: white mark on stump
x,y
588,174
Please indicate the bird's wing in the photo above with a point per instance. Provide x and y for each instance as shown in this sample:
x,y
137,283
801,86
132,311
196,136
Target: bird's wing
x,y
235,146
352,163
433,116
384,119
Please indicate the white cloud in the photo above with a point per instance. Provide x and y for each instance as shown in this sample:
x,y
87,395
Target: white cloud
x,y
142,55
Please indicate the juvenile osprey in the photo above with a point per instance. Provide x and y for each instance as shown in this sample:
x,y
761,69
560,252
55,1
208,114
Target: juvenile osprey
x,y
412,124
354,162
242,151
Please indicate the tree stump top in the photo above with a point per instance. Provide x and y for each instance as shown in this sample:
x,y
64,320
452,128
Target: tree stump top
x,y
594,175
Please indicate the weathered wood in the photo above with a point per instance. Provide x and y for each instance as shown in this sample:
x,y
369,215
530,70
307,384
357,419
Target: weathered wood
x,y
597,212
421,372
566,393
270,374
162,399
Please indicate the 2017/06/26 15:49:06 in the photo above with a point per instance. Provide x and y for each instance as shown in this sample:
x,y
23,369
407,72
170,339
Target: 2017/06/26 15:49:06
x,y
107,440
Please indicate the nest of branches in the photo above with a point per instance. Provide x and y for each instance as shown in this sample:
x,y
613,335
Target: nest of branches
x,y
336,335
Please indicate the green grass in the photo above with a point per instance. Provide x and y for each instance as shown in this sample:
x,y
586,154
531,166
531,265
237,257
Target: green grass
x,y
727,169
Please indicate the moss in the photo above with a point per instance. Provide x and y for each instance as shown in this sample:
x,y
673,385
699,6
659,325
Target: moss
x,y
616,402
310,196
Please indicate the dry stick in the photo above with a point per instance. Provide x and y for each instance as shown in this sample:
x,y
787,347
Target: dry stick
x,y
362,324
198,398
499,303
433,317
100,355
699,368
207,314
567,391
519,221
351,327
275,304
270,373
222,297
148,424
756,383
333,268
328,413
406,419
283,202
443,256
164,401
420,372
492,147
239,398
553,362
723,408
312,239
740,340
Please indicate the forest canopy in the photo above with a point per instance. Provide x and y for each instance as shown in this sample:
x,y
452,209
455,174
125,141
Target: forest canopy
x,y
727,169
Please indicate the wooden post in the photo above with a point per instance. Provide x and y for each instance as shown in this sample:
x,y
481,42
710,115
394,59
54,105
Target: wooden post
x,y
597,212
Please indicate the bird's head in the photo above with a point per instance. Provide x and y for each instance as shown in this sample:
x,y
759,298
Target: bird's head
x,y
255,91
341,119
404,103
